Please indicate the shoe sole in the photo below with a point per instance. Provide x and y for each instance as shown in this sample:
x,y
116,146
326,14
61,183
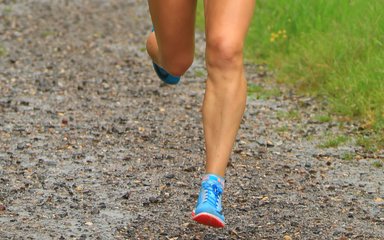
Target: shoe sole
x,y
208,219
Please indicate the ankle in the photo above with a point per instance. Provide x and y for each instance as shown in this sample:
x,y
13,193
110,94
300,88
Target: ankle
x,y
152,48
214,177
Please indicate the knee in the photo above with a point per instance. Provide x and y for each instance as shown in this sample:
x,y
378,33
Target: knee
x,y
223,52
177,65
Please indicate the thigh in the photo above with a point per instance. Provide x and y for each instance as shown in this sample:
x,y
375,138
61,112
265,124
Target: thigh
x,y
174,23
227,20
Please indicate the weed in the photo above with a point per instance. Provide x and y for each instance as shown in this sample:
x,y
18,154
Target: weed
x,y
2,50
199,73
323,118
260,92
377,164
333,142
348,156
282,129
47,33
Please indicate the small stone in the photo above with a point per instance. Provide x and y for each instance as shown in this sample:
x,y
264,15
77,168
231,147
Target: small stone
x,y
261,142
242,142
186,225
264,199
343,238
64,121
286,237
126,195
95,211
170,175
89,223
301,188
190,169
153,199
181,184
2,208
79,188
20,146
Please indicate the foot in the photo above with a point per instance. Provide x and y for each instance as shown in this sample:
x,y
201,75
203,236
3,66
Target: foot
x,y
164,75
208,210
161,72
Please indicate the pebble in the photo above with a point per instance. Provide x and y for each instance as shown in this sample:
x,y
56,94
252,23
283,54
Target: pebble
x,y
169,176
154,199
126,195
181,184
102,205
190,169
95,211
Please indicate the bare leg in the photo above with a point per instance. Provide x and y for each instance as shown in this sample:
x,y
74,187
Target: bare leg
x,y
172,44
227,23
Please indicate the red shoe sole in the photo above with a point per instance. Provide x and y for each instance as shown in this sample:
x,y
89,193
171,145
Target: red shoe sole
x,y
208,219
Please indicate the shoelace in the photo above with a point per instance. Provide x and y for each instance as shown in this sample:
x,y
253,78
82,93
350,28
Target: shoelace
x,y
212,193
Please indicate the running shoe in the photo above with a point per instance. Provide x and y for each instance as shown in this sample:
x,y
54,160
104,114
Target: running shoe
x,y
208,210
164,75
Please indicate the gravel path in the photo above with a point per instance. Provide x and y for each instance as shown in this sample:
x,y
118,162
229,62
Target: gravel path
x,y
93,146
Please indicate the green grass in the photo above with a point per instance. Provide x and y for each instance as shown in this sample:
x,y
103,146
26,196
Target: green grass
x,y
377,164
322,118
199,73
371,142
47,33
332,49
290,115
2,50
348,156
7,10
333,142
260,92
282,129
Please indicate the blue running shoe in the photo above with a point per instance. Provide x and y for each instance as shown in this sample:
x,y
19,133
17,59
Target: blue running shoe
x,y
208,210
163,74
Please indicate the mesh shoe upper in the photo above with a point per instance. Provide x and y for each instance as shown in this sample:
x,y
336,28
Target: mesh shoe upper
x,y
209,200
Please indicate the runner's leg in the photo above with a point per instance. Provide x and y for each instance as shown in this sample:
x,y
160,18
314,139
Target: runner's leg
x,y
172,44
227,23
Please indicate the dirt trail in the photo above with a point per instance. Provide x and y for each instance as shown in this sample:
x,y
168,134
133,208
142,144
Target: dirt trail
x,y
92,146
